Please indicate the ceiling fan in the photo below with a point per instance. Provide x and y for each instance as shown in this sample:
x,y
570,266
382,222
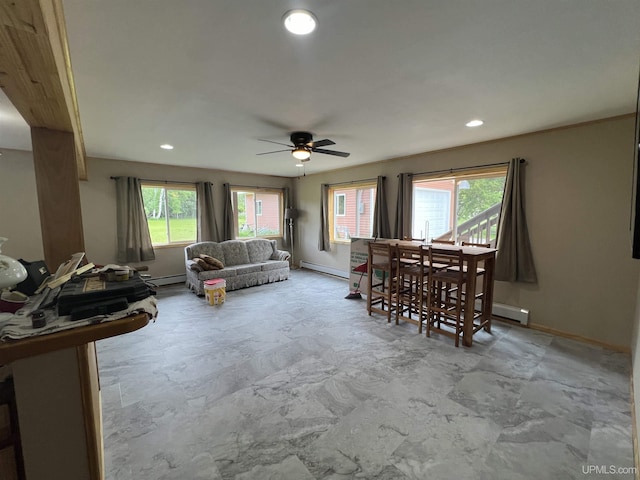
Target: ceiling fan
x,y
303,145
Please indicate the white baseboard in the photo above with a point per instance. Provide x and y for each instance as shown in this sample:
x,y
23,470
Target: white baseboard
x,y
324,269
168,280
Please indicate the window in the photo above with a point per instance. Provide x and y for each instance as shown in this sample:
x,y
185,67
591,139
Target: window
x,y
352,208
340,202
463,207
171,213
257,212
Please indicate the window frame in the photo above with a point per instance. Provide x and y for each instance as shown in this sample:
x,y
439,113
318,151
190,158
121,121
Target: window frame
x,y
332,207
457,177
171,186
337,205
235,190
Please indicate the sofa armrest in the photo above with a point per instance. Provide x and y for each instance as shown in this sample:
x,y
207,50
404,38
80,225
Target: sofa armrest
x,y
280,255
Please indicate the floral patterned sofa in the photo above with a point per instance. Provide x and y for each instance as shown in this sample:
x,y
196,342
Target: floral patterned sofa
x,y
246,263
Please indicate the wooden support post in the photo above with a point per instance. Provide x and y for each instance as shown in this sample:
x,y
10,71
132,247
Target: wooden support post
x,y
54,158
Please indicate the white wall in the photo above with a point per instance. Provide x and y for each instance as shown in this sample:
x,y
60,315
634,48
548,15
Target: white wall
x,y
19,215
578,194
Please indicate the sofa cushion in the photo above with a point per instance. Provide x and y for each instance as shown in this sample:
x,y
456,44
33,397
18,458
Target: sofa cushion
x,y
202,265
244,269
260,249
273,265
212,262
212,249
235,252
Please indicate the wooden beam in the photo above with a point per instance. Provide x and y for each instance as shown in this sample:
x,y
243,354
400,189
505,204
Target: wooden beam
x,y
58,195
35,68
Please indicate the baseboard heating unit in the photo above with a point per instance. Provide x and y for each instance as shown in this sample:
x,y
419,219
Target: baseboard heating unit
x,y
324,269
517,314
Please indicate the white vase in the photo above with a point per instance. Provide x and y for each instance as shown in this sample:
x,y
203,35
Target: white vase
x,y
12,272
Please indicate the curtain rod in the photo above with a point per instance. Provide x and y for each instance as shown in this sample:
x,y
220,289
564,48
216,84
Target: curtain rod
x,y
255,187
166,182
461,169
353,181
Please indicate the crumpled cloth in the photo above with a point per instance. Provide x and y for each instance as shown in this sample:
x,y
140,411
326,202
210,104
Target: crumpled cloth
x,y
17,326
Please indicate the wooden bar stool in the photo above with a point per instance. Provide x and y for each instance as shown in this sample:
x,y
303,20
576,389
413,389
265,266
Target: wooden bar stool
x,y
445,293
382,285
471,244
411,276
442,242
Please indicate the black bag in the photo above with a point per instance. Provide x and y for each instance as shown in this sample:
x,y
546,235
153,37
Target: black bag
x,y
37,273
83,291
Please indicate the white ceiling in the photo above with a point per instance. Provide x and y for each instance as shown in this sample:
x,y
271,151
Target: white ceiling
x,y
380,78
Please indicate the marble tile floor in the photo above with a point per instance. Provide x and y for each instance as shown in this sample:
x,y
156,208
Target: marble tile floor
x,y
293,381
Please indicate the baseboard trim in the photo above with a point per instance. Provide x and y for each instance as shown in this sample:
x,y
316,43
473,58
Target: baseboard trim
x,y
580,338
168,280
321,268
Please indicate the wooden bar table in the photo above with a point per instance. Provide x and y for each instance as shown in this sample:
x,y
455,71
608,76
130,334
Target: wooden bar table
x,y
473,256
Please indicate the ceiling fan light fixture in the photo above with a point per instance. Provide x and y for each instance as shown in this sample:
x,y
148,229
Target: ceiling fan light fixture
x,y
300,22
301,153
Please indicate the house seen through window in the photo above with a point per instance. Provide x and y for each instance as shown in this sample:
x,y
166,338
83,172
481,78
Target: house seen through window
x,y
352,211
257,212
462,207
171,213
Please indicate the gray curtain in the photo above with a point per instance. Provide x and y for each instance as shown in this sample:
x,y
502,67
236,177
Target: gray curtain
x,y
514,261
381,228
402,226
324,243
207,225
286,236
134,241
228,226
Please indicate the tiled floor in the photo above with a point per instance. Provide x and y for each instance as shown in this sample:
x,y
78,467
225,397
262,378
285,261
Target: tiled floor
x,y
292,381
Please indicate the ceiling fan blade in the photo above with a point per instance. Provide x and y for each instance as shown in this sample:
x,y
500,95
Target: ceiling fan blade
x,y
277,143
322,143
331,152
275,151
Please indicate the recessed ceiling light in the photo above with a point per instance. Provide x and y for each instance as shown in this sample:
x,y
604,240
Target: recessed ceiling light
x,y
300,22
166,146
474,123
299,164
